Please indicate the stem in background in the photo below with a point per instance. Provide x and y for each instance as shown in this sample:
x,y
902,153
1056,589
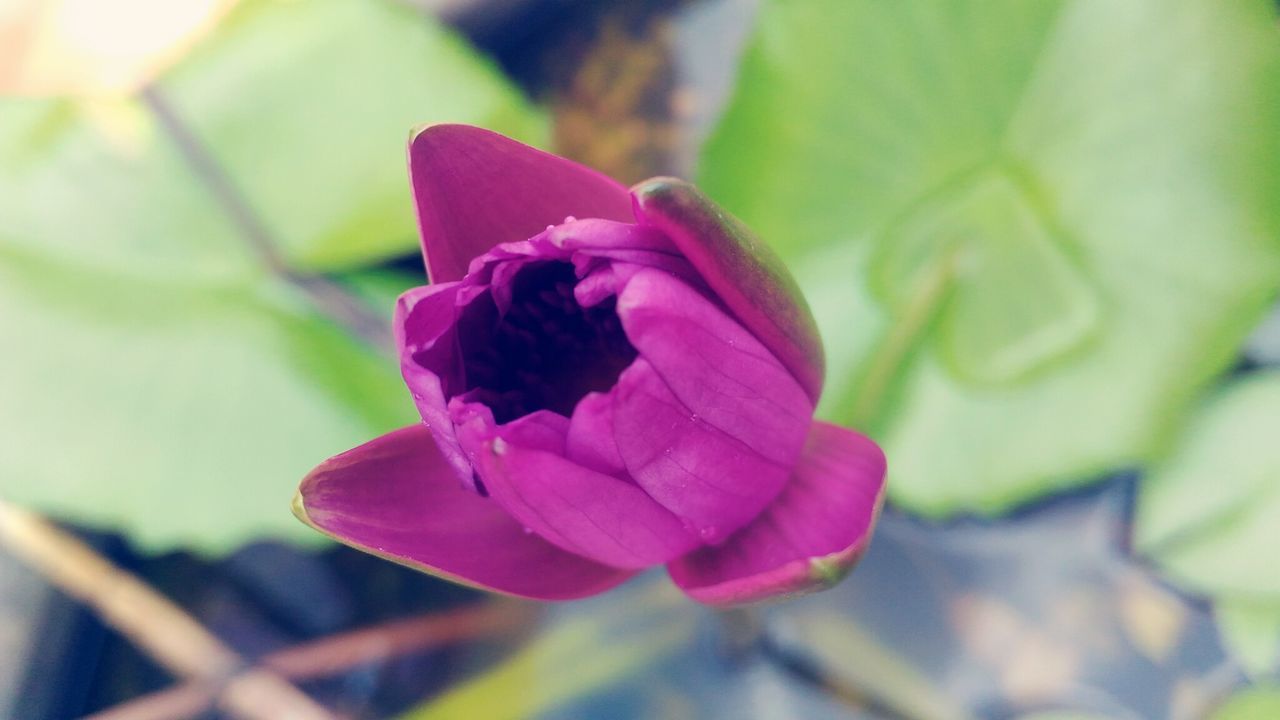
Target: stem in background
x,y
812,674
330,297
926,298
741,632
339,653
157,626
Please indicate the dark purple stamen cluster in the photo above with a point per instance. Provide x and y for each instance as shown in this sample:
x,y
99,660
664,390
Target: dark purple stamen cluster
x,y
547,351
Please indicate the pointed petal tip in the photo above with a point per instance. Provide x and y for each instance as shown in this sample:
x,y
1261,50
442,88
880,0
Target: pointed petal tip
x,y
430,130
808,540
829,570
660,188
474,189
419,129
299,508
794,580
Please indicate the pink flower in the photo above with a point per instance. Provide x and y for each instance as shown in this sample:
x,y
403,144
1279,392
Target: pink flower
x,y
608,380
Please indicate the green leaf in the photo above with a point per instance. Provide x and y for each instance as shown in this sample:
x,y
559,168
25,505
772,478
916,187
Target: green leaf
x,y
1257,703
186,416
100,184
379,288
1209,516
156,376
1251,631
1029,230
307,106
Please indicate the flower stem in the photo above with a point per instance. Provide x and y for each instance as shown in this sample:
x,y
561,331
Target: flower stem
x,y
329,297
903,335
741,633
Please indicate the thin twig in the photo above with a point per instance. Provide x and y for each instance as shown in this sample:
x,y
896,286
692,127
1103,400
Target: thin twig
x,y
152,622
330,297
339,653
806,671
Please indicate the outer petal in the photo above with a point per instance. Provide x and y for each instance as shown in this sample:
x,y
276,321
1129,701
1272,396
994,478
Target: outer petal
x,y
707,421
712,481
396,497
808,539
475,189
585,512
715,367
741,270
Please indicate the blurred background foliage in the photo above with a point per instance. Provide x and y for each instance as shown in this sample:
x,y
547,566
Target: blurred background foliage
x,y
167,368
1032,231
1037,235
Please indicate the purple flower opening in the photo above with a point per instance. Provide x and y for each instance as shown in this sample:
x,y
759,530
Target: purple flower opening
x,y
546,352
630,389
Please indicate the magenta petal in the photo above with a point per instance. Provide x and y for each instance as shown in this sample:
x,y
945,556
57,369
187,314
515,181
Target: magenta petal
x,y
740,269
808,539
475,189
396,497
589,440
716,368
585,512
424,322
713,482
707,421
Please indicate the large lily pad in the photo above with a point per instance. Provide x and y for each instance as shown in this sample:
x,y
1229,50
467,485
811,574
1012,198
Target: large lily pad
x,y
158,374
185,415
1030,231
98,184
307,107
1210,516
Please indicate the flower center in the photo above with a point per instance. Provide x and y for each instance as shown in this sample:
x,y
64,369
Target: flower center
x,y
547,351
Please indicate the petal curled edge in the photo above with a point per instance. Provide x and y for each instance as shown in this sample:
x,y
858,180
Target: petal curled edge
x,y
474,189
808,539
741,270
397,498
425,317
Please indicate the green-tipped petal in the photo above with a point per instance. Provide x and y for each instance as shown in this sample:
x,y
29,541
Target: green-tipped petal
x,y
808,539
740,269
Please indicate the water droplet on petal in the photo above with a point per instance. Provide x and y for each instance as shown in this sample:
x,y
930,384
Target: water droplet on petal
x,y
527,530
709,532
